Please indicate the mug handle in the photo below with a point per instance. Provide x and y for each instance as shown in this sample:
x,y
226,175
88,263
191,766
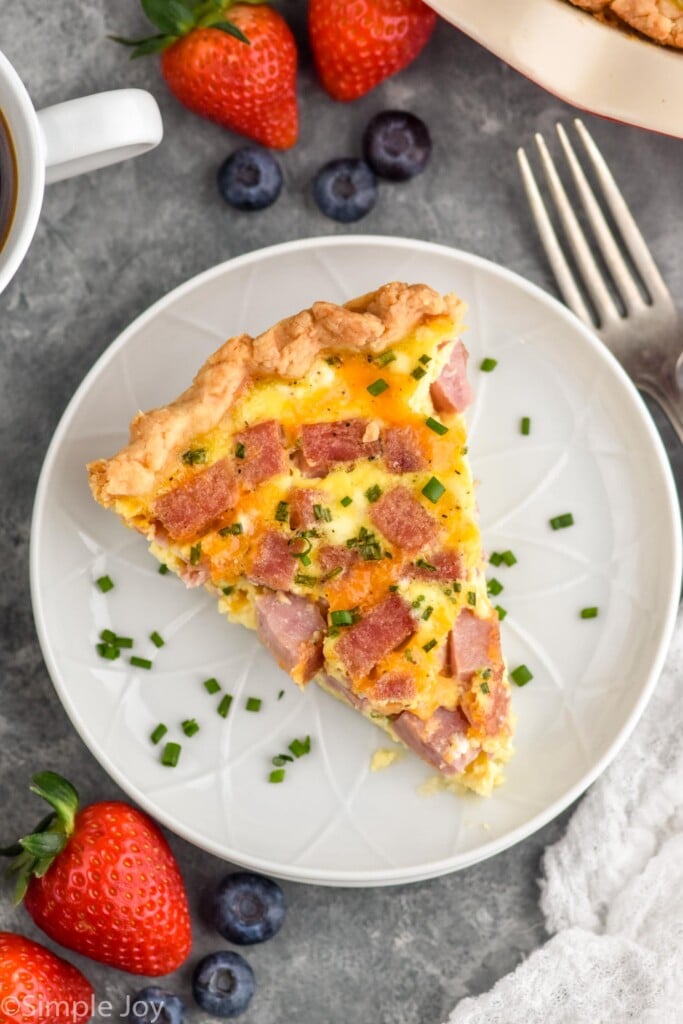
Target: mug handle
x,y
94,131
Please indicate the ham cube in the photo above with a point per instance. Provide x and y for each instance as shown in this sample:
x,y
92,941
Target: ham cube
x,y
261,453
441,740
402,451
292,629
378,633
191,508
451,392
403,520
273,565
301,502
443,567
325,444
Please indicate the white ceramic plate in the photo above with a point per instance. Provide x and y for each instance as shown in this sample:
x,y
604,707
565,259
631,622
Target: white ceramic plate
x,y
567,51
592,451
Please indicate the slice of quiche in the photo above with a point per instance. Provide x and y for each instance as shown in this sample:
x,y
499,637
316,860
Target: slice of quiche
x,y
315,479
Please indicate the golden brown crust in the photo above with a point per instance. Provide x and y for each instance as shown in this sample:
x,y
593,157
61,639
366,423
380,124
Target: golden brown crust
x,y
660,20
371,323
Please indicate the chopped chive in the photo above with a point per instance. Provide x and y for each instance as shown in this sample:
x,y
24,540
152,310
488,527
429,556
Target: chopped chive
x,y
437,427
561,522
426,614
496,558
108,636
123,642
509,558
373,493
140,662
322,513
418,601
158,733
281,759
346,501
333,361
471,598
302,580
195,553
486,673
240,451
105,583
433,490
377,387
422,563
156,639
484,687
488,364
211,685
190,727
425,360
501,612
337,571
253,704
384,358
171,755
163,569
108,651
282,512
418,373
521,675
277,776
525,426
224,706
494,586
305,559
228,590
194,456
300,747
589,613
430,645
408,655
393,588
280,694
457,586
342,618
235,529
464,450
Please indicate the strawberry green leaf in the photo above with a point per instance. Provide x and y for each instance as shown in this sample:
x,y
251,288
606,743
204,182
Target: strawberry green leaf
x,y
232,30
157,44
171,17
44,844
60,795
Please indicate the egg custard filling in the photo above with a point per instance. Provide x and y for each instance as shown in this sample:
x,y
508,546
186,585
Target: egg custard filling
x,y
315,479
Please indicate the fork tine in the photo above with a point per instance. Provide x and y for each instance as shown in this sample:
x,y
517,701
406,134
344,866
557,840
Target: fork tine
x,y
630,232
563,275
591,273
616,263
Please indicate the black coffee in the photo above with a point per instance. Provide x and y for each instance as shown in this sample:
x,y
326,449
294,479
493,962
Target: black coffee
x,y
8,181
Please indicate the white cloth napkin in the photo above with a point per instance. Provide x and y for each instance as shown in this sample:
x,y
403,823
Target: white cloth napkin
x,y
612,891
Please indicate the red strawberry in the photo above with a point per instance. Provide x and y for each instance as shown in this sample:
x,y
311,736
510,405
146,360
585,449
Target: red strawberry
x,y
239,72
358,43
103,882
37,987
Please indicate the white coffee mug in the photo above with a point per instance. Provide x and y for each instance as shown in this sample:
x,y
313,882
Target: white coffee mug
x,y
64,140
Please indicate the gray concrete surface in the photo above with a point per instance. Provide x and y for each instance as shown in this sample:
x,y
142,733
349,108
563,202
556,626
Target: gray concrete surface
x,y
111,243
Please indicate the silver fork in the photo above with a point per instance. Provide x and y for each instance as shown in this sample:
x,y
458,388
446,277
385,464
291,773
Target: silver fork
x,y
647,338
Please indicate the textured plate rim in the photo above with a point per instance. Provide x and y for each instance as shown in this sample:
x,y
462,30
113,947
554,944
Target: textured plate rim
x,y
384,876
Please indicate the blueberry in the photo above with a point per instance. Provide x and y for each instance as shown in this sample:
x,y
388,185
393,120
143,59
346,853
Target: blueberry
x,y
248,908
397,145
250,179
345,190
223,984
156,1006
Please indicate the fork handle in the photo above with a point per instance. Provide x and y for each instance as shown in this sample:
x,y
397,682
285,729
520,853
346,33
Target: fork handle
x,y
671,404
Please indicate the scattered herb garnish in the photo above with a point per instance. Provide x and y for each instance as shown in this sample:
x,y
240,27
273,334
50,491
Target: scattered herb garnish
x,y
521,675
108,651
561,522
501,612
280,694
171,755
525,426
422,563
190,727
344,617
194,456
426,614
377,387
211,685
509,557
224,706
496,558
484,687
163,569
471,598
433,490
429,645
278,775
105,583
322,513
488,364
195,553
228,590
253,704
302,580
384,358
437,427
282,759
425,359
589,613
494,586
240,451
140,662
418,373
156,639
282,512
159,733
235,529
373,493
300,747
346,501
408,655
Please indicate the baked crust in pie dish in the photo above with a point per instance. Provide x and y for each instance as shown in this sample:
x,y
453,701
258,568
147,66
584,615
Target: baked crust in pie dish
x,y
315,479
660,20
